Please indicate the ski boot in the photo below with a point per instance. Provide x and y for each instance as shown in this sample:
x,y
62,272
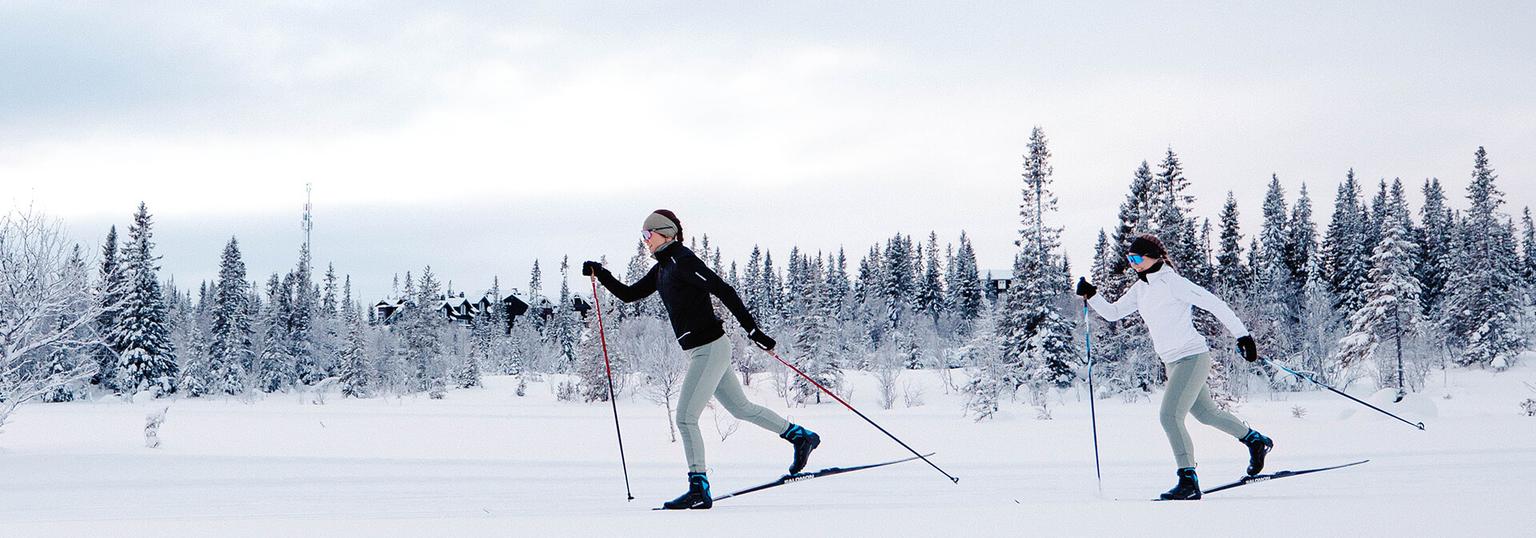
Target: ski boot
x,y
1258,447
1188,488
805,441
697,497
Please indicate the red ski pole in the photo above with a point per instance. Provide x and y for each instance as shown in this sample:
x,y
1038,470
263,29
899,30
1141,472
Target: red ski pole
x,y
951,478
597,303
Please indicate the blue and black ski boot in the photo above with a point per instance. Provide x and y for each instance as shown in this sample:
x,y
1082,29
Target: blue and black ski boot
x,y
1188,488
1258,447
805,441
697,497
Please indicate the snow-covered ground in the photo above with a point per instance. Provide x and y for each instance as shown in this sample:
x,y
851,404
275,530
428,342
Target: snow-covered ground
x,y
486,462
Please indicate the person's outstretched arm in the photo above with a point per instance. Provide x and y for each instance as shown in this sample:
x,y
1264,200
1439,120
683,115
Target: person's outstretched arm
x,y
1126,306
628,293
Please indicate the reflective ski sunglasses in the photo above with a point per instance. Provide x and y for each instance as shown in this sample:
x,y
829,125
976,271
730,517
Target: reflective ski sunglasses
x,y
1135,258
645,235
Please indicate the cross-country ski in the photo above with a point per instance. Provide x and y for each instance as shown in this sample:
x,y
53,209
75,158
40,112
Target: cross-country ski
x,y
1277,475
807,475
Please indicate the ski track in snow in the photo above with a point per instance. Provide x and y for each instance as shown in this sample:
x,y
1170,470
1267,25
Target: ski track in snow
x,y
485,462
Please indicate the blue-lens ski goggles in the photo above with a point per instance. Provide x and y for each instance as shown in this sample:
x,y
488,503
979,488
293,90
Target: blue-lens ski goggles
x,y
1135,258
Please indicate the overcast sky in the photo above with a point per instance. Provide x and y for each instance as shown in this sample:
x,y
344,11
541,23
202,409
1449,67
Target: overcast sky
x,y
476,138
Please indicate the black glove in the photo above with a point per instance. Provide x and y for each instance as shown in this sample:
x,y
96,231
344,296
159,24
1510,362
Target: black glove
x,y
1249,350
590,268
762,340
1086,290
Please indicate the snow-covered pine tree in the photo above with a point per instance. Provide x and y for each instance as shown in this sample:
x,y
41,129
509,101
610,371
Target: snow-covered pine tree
x,y
275,365
1171,211
1276,294
230,347
146,356
1482,313
1303,243
811,346
898,285
301,322
112,287
966,289
535,292
1037,339
424,342
1345,259
1232,277
930,289
1437,237
354,371
1391,311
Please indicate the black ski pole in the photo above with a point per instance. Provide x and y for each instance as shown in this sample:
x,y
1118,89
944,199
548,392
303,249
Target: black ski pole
x,y
1419,425
834,396
1093,415
597,303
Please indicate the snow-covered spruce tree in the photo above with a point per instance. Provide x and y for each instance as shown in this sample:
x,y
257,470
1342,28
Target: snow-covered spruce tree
x,y
1391,312
196,371
423,338
1436,240
470,370
49,309
639,265
111,288
1345,259
812,345
966,292
1276,294
899,284
1482,311
275,364
535,292
301,320
1303,241
1232,277
567,328
1037,339
930,289
146,357
1172,209
230,347
355,375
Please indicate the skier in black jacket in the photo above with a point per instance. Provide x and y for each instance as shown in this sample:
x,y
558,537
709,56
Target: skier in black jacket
x,y
685,285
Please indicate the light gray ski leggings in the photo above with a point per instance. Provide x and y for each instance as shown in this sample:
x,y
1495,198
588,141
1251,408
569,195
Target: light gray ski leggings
x,y
710,374
1188,395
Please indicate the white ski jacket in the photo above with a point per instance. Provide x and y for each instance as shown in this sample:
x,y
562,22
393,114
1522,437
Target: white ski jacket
x,y
1164,299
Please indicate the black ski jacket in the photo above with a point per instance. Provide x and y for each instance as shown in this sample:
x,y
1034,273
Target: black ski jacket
x,y
685,284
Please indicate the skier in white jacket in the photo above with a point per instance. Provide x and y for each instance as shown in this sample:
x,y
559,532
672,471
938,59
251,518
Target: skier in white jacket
x,y
1163,298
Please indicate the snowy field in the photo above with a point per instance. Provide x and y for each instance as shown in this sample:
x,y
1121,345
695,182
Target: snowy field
x,y
486,462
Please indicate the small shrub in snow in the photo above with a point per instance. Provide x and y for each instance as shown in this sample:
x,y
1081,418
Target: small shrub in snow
x,y
566,391
522,386
912,394
1298,412
1529,406
152,423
